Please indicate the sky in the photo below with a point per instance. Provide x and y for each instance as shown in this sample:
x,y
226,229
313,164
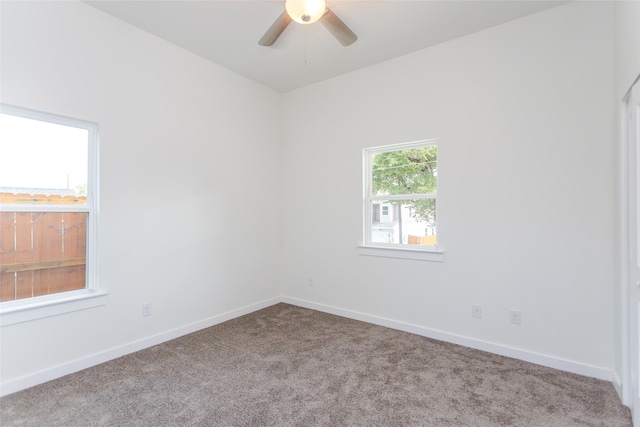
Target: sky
x,y
37,154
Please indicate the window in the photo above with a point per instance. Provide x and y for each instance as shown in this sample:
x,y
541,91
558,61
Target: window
x,y
48,190
400,197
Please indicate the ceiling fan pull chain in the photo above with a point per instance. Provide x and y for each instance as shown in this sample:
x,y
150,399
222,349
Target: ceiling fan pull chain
x,y
304,47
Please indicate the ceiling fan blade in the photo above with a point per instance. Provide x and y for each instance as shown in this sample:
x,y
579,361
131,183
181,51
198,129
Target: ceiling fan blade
x,y
338,28
274,31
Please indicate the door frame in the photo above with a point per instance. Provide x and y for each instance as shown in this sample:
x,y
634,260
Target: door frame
x,y
625,315
625,383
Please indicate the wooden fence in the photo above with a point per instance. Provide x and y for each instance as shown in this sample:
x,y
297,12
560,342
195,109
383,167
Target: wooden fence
x,y
41,252
422,240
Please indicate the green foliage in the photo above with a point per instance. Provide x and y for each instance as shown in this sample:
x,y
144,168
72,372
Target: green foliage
x,y
405,172
424,210
411,171
81,190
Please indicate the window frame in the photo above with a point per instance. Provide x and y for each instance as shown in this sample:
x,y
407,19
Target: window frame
x,y
394,250
27,309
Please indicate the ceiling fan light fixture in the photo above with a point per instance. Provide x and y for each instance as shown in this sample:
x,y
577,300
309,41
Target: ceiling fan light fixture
x,y
305,11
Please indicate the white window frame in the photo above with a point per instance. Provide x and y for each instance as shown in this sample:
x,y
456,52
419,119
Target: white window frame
x,y
22,310
393,250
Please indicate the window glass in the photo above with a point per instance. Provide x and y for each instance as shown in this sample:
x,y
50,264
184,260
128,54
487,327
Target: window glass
x,y
401,191
38,155
415,220
47,217
405,171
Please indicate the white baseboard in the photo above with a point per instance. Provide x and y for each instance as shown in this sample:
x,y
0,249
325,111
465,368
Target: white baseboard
x,y
617,385
43,376
527,356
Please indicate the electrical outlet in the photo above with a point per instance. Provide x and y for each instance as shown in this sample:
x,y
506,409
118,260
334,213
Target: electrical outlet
x,y
515,317
476,310
146,309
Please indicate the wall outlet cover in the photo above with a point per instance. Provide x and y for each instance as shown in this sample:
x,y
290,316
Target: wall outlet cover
x,y
476,311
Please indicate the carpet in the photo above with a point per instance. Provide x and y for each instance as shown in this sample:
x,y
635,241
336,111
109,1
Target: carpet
x,y
291,366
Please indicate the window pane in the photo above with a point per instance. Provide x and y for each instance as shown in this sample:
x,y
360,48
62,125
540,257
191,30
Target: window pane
x,y
414,220
42,158
412,171
42,253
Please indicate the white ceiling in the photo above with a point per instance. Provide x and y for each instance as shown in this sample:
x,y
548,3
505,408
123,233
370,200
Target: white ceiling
x,y
227,32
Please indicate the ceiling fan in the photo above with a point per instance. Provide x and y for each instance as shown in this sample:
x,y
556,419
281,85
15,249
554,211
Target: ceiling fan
x,y
308,12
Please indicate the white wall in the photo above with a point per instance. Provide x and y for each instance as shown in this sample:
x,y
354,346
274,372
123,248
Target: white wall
x,y
524,113
190,174
627,25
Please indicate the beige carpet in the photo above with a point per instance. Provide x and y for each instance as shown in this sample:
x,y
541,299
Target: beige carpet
x,y
289,366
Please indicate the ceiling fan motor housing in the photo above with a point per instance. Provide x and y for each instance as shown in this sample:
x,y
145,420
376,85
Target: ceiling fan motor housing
x,y
305,11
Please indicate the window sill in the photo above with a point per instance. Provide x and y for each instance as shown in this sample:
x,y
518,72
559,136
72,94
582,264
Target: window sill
x,y
435,255
12,314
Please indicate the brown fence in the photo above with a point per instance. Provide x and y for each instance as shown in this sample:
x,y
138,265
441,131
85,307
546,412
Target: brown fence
x,y
41,252
422,240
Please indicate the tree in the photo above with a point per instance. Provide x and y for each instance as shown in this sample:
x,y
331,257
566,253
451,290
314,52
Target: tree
x,y
81,190
411,171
